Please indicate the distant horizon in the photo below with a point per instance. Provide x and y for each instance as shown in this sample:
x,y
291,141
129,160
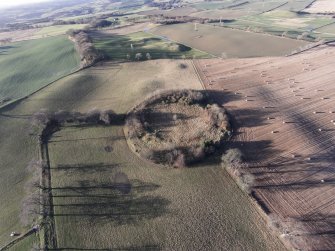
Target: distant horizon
x,y
13,3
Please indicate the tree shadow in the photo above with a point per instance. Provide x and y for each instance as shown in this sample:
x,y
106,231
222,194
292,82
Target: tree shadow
x,y
124,202
85,168
149,247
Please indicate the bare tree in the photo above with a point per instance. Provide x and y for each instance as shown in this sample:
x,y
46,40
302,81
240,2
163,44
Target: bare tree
x,y
138,56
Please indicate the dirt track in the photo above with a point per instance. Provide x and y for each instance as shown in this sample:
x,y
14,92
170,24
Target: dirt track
x,y
282,109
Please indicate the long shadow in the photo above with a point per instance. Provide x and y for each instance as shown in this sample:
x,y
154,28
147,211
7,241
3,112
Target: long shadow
x,y
85,168
221,97
112,138
117,202
254,151
150,247
298,185
321,224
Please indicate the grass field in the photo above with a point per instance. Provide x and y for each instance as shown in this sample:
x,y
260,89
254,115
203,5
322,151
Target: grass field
x,y
234,43
280,22
57,30
80,92
205,199
116,47
27,66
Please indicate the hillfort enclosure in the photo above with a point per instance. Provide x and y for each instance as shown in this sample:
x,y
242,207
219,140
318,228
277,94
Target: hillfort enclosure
x,y
167,125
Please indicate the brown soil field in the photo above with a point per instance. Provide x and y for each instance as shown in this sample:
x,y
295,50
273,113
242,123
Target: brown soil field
x,y
283,114
19,35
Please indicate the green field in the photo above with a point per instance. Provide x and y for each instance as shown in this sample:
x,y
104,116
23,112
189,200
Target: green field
x,y
57,30
116,47
233,43
198,208
280,22
29,65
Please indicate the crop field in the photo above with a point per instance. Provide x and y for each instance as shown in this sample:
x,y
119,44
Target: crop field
x,y
171,13
57,30
322,6
224,14
85,194
295,6
27,66
283,110
329,29
233,43
116,47
285,23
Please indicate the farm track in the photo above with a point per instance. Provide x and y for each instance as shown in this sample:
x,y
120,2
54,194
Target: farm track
x,y
282,109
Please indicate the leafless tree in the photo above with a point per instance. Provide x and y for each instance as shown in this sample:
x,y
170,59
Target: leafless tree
x,y
138,56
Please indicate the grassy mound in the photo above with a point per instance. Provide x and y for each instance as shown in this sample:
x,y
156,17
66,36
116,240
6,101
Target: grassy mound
x,y
177,128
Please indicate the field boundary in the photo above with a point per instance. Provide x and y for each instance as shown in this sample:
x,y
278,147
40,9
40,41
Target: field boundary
x,y
18,100
20,238
49,235
273,8
171,40
198,75
259,208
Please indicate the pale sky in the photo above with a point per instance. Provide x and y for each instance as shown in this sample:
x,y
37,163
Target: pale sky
x,y
7,3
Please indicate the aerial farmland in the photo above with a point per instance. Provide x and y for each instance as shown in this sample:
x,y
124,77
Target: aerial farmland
x,y
167,125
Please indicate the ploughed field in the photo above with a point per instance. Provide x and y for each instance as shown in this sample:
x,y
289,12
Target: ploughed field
x,y
284,114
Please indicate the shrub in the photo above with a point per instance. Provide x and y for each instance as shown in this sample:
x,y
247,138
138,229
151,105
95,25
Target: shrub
x,y
182,66
138,56
231,158
183,48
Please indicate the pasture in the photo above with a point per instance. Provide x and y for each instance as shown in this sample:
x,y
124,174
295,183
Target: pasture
x,y
233,43
284,113
56,30
284,23
117,47
80,92
29,65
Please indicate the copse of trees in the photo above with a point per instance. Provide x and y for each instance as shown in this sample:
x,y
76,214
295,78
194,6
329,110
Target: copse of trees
x,y
41,120
88,53
101,23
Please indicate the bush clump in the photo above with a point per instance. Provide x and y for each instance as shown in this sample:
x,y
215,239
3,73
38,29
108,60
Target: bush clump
x,y
232,161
